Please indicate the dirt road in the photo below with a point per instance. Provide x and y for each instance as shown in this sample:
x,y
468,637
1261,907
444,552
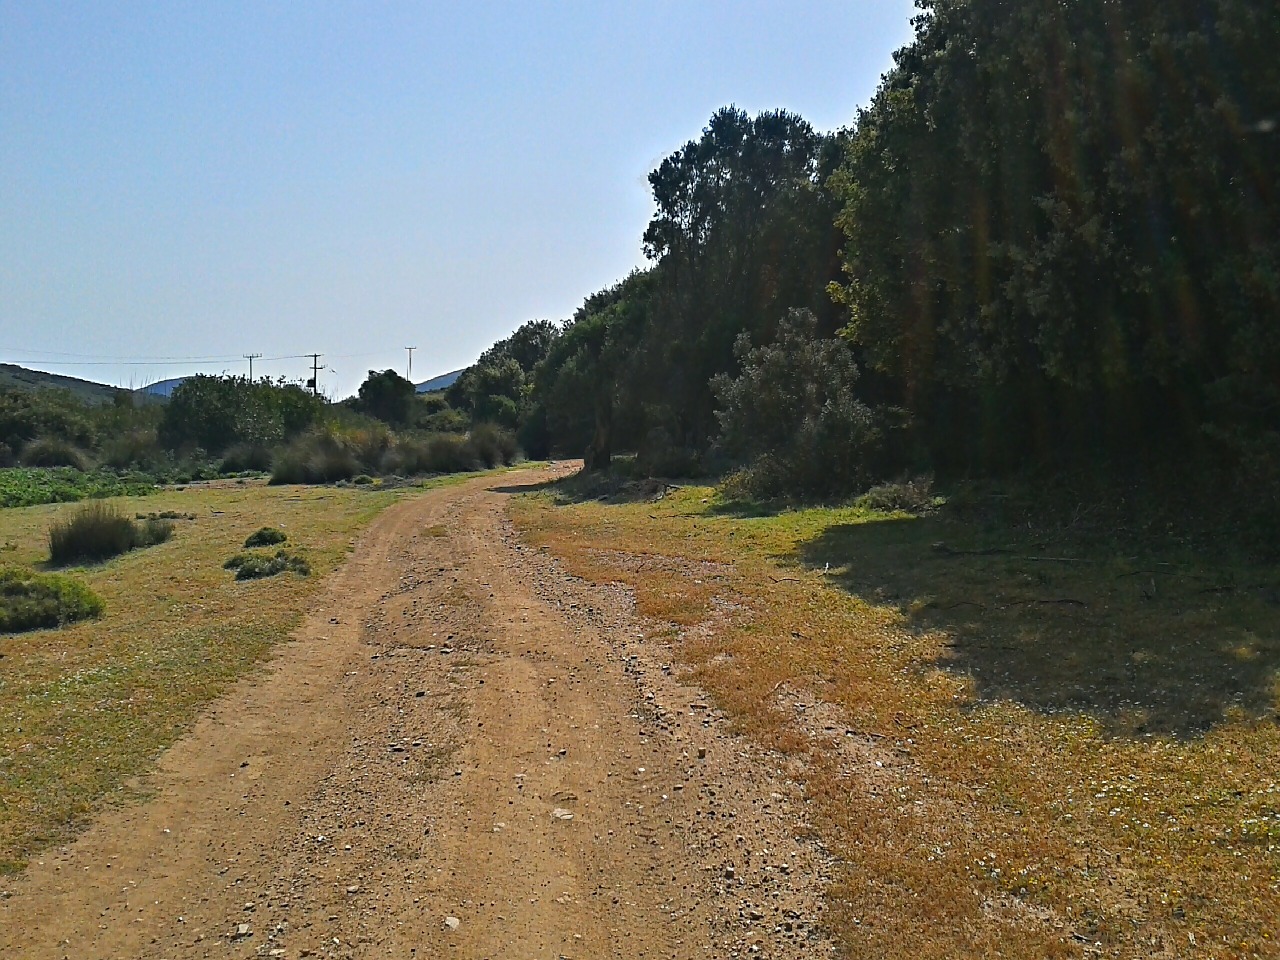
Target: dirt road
x,y
463,752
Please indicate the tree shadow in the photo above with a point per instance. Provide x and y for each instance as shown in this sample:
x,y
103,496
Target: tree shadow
x,y
594,486
1144,645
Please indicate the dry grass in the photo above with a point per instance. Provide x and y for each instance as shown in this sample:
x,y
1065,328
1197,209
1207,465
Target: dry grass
x,y
1013,756
85,708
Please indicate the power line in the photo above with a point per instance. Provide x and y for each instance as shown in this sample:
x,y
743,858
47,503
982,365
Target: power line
x,y
108,358
251,357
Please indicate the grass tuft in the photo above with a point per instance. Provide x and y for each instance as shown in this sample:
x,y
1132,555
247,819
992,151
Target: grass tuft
x,y
99,531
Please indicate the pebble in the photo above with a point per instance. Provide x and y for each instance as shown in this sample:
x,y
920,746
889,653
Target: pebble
x,y
453,923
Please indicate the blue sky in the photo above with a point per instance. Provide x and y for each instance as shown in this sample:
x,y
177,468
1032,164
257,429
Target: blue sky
x,y
207,179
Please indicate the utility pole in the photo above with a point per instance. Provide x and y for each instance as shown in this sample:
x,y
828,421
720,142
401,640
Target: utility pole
x,y
314,384
251,357
410,373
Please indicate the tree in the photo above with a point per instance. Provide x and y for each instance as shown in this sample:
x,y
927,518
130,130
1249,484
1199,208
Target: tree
x,y
744,230
215,412
387,396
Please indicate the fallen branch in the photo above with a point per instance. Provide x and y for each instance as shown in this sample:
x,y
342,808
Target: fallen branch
x,y
1063,600
947,551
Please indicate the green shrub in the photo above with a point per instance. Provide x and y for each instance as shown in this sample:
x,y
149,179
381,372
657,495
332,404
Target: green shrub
x,y
793,415
134,448
266,537
247,457
913,495
98,531
437,453
254,566
493,445
54,452
320,457
34,601
363,480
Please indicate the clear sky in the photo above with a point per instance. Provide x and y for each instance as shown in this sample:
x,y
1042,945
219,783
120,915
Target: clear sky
x,y
210,178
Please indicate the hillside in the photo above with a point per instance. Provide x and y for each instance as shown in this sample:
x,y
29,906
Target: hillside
x,y
442,382
13,376
162,389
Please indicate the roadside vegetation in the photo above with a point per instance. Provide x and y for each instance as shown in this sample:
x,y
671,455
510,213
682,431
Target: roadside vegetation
x,y
1026,730
85,706
58,447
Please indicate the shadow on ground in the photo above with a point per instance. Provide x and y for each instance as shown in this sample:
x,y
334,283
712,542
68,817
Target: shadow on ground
x,y
600,487
1147,646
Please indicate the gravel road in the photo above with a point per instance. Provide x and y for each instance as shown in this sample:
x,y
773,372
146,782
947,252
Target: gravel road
x,y
463,752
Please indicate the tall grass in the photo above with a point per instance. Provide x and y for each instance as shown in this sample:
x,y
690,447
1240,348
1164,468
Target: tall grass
x,y
53,452
337,453
98,531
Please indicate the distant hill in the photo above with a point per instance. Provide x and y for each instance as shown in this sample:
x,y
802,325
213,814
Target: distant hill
x,y
161,388
20,378
442,382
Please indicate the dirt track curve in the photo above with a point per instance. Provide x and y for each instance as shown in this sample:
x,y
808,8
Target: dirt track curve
x,y
463,752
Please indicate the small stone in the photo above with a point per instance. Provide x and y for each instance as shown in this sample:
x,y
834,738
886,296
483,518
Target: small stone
x,y
702,753
354,888
729,873
242,930
453,923
560,813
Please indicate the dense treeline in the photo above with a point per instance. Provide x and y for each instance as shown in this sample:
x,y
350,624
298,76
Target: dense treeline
x,y
1053,236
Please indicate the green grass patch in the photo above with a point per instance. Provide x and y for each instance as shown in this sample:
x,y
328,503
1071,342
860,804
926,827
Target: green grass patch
x,y
32,601
31,486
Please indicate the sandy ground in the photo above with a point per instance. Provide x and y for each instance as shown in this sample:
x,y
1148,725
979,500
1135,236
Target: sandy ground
x,y
463,752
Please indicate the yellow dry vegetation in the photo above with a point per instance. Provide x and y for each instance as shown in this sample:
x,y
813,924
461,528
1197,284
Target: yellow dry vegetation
x,y
1012,749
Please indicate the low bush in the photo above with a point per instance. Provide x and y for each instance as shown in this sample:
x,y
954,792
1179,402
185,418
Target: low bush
x,y
254,566
913,496
247,458
165,515
54,452
35,601
320,457
494,446
133,449
98,531
266,537
793,416
437,453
